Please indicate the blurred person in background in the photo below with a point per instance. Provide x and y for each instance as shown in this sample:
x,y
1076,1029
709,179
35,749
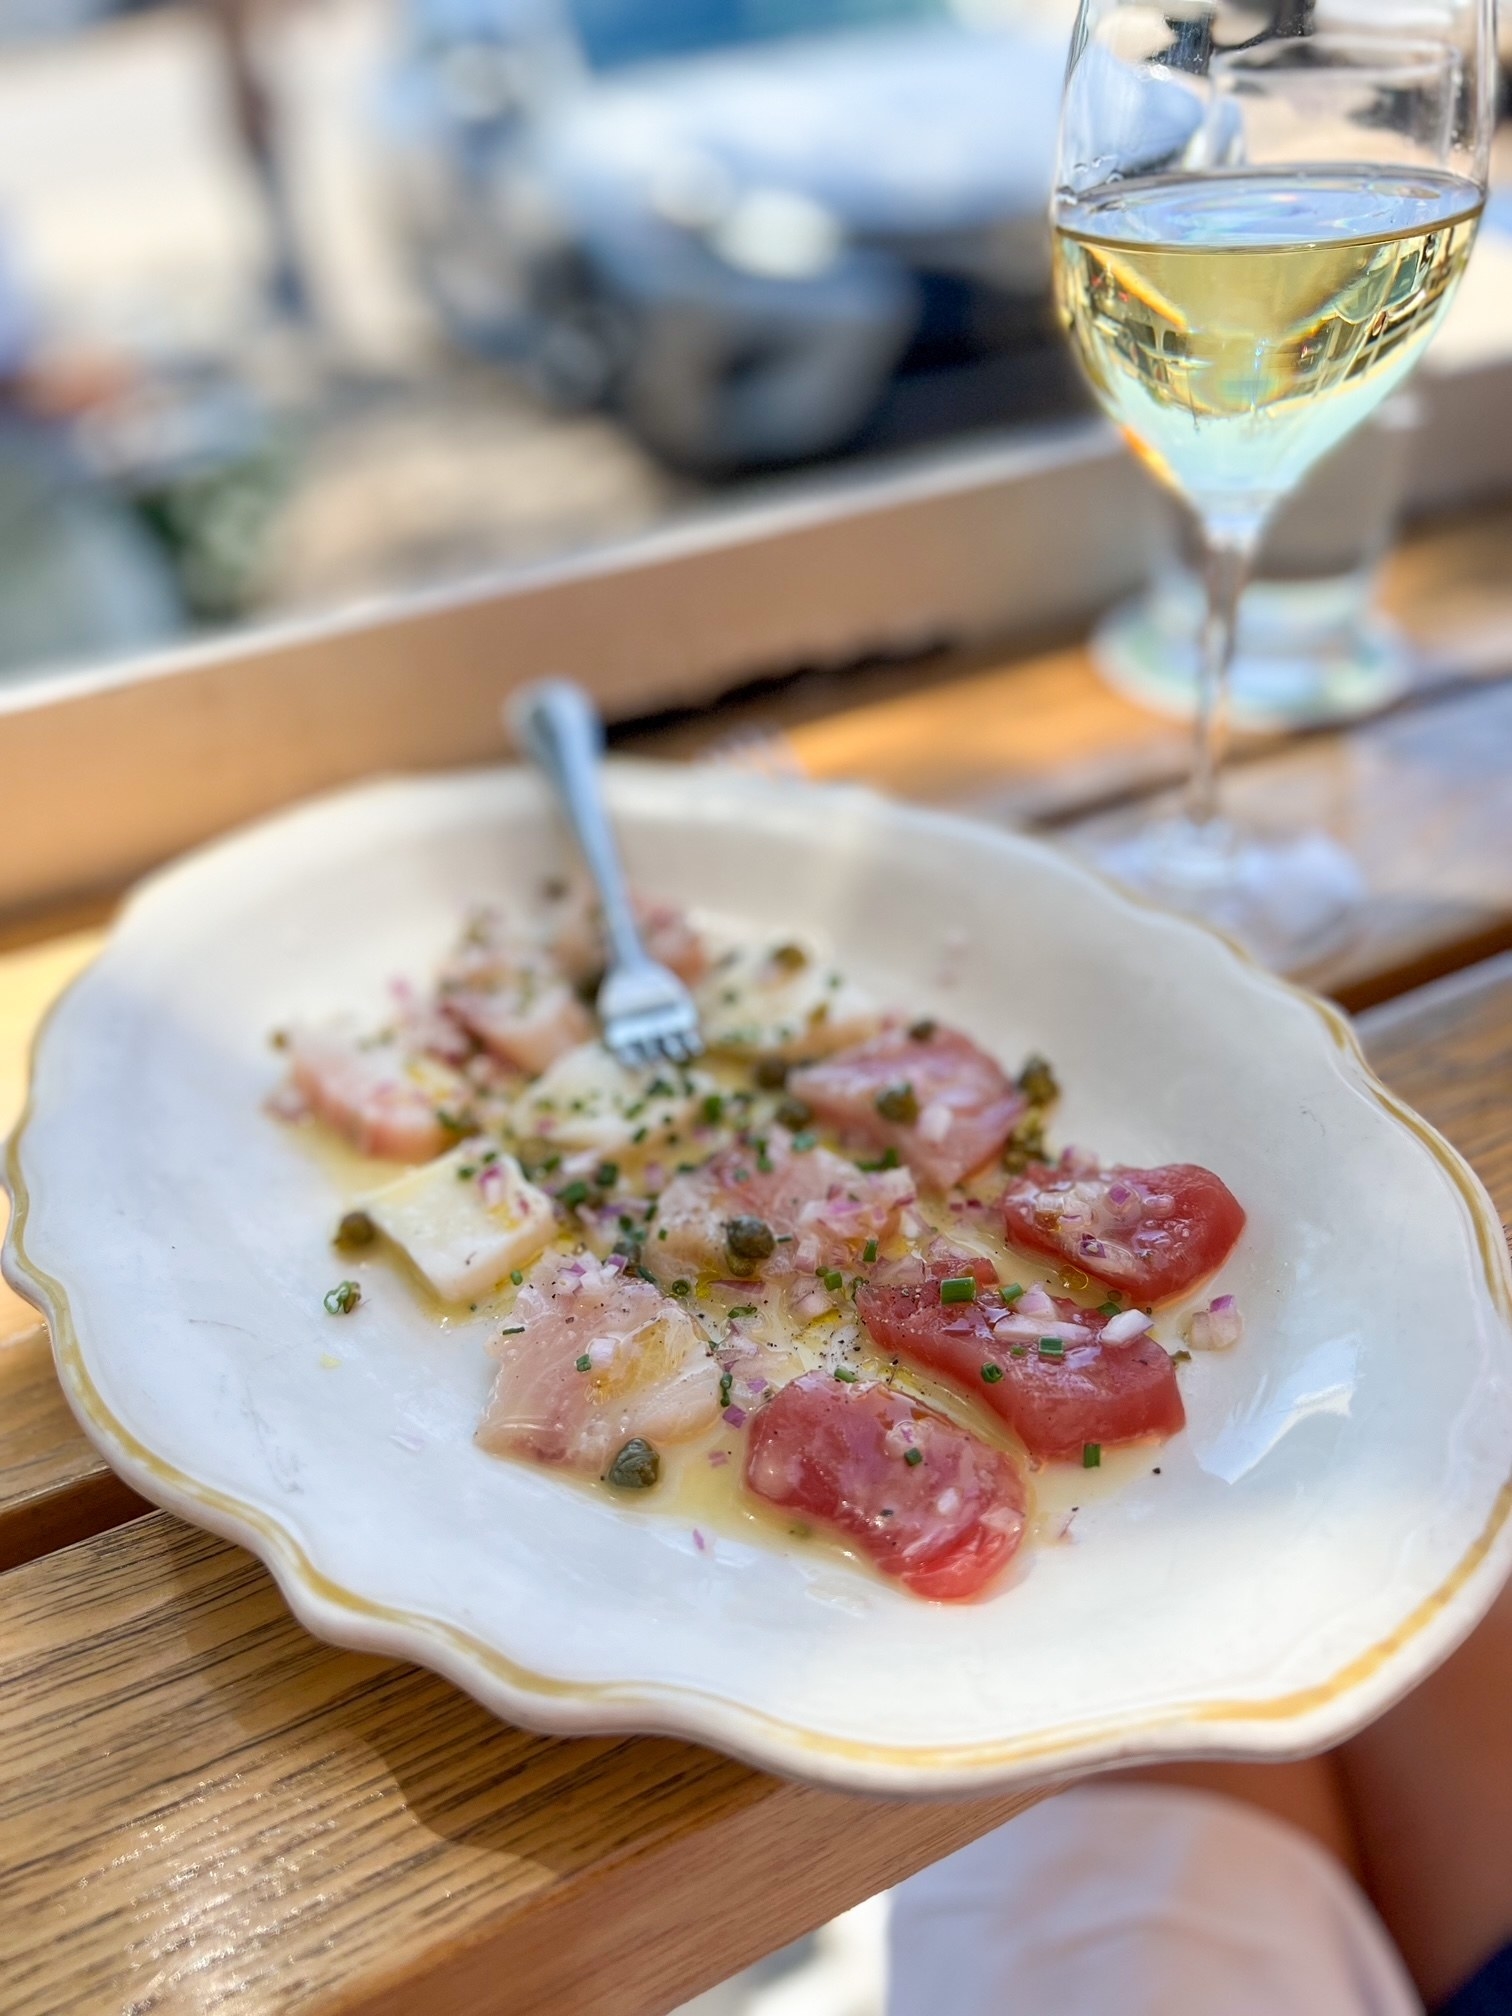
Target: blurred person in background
x,y
79,574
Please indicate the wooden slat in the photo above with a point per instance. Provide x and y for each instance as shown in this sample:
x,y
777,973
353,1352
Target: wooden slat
x,y
54,1489
197,1800
1447,1050
1422,800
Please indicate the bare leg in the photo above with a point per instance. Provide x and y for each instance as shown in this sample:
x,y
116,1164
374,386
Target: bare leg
x,y
1430,1788
1311,1795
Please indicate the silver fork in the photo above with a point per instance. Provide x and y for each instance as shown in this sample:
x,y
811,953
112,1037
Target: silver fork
x,y
646,1013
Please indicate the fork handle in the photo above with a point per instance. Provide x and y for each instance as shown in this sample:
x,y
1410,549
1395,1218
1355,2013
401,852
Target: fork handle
x,y
558,727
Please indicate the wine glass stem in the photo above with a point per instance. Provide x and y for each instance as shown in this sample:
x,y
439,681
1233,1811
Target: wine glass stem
x,y
1226,566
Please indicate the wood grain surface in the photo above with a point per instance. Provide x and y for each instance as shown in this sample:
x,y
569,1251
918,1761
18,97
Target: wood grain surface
x,y
54,1488
201,1804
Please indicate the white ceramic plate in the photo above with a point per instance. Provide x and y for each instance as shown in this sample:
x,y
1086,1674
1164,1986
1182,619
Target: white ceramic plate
x,y
1334,1520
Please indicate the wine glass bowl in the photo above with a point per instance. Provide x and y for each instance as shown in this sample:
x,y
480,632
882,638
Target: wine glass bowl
x,y
1261,214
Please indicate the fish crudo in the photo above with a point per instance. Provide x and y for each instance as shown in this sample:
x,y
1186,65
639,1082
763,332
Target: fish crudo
x,y
833,1281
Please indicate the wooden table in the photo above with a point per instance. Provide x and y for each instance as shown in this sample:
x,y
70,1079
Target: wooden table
x,y
201,1803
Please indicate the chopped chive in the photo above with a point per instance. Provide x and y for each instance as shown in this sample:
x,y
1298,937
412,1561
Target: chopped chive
x,y
343,1298
584,1364
803,1142
914,1457
516,1276
1011,1291
1018,1351
682,1287
606,1175
466,1169
833,1280
958,1288
742,1309
1108,1308
845,1375
1091,1455
637,1137
713,1108
1052,1347
514,1330
1181,1357
573,1194
992,1374
869,1252
726,1387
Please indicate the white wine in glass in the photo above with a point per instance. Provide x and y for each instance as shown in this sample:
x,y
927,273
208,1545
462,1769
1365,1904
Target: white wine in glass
x,y
1258,225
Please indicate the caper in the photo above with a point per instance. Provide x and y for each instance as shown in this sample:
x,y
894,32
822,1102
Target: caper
x,y
789,958
923,1032
770,1073
1038,1082
1026,1144
749,1240
636,1467
355,1229
794,1113
898,1103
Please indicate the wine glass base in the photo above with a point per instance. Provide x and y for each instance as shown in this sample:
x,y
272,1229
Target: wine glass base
x,y
1289,899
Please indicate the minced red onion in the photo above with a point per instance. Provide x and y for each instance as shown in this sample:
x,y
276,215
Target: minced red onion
x,y
1017,1329
287,1102
735,1416
1216,1328
1126,1326
1034,1302
934,1122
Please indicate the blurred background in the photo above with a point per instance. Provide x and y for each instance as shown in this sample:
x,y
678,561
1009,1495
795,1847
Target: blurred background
x,y
307,301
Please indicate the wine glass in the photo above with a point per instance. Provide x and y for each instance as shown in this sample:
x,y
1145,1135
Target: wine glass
x,y
1262,209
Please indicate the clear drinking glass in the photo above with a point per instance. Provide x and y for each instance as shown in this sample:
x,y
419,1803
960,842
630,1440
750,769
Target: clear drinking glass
x,y
1261,212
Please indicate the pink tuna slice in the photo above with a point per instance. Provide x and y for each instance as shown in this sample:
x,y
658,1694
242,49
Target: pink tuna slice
x,y
649,1372
1056,1402
966,1106
506,992
376,1094
822,1208
575,937
944,1523
1149,1233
